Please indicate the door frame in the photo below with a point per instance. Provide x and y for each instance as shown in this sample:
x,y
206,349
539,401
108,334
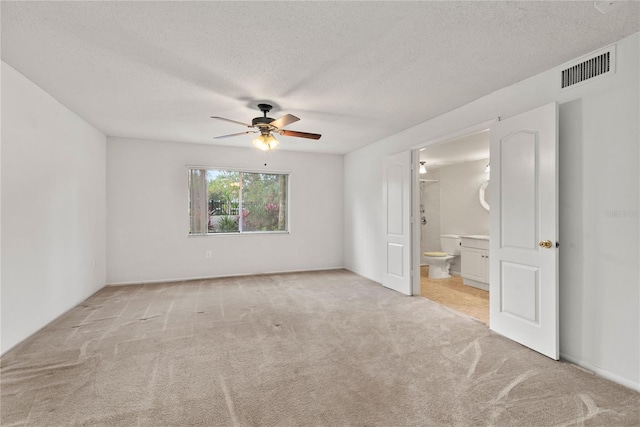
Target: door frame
x,y
415,193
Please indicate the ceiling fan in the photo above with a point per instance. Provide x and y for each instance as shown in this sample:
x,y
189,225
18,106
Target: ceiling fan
x,y
266,126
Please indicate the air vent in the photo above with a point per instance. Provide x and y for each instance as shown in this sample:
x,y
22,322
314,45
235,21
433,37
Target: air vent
x,y
595,65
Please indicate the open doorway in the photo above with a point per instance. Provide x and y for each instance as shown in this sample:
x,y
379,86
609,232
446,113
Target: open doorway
x,y
454,185
522,253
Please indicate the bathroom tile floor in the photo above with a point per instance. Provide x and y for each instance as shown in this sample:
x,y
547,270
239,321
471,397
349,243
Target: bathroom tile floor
x,y
454,294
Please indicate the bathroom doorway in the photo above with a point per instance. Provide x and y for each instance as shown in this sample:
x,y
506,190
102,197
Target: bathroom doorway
x,y
454,185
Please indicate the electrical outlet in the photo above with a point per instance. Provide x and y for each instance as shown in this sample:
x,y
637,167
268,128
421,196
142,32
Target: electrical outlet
x,y
208,254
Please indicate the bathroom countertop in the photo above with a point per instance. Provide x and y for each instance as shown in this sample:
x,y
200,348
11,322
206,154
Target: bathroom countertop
x,y
476,236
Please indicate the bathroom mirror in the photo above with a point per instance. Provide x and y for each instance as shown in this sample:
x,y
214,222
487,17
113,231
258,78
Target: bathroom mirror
x,y
483,195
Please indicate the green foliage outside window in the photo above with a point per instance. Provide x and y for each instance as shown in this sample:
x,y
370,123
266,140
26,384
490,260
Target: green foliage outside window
x,y
238,201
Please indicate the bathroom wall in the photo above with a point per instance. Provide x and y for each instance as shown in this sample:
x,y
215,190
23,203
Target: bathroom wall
x,y
452,205
460,209
430,202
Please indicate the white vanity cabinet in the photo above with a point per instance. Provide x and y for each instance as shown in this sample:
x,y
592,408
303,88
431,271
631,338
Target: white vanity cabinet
x,y
474,254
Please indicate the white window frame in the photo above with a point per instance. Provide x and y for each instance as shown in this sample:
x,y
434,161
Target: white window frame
x,y
240,232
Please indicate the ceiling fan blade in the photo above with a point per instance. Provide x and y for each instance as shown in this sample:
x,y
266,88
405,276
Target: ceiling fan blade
x,y
232,121
234,134
283,121
299,134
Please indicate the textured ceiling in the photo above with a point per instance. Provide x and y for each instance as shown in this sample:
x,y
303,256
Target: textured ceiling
x,y
468,148
355,72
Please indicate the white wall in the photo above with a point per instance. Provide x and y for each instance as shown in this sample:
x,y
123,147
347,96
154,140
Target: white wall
x,y
148,223
599,252
460,208
53,208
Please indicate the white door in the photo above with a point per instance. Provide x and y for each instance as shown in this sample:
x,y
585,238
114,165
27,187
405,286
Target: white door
x,y
396,190
524,229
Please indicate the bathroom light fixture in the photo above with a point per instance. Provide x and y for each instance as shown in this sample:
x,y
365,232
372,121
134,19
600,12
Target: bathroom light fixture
x,y
488,168
266,142
423,168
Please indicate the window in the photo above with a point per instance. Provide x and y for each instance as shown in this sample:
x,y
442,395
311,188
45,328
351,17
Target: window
x,y
227,201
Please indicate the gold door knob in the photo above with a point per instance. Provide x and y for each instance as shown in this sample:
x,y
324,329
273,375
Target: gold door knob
x,y
545,244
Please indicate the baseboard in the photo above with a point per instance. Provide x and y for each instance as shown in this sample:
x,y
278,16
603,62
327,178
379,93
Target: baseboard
x,y
602,372
476,284
187,279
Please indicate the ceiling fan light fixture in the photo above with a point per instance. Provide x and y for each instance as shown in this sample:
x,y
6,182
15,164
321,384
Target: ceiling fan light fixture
x,y
266,142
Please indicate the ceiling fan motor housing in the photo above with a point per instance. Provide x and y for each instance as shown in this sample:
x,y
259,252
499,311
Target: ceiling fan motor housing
x,y
258,121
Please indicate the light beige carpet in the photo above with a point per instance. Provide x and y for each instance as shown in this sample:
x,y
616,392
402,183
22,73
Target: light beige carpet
x,y
310,349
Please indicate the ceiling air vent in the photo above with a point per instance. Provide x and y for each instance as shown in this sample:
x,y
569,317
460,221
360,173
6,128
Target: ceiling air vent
x,y
596,64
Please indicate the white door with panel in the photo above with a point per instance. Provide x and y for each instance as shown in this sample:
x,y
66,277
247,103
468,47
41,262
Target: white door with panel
x,y
524,229
396,192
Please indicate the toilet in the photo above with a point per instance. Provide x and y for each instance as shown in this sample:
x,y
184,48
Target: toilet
x,y
440,262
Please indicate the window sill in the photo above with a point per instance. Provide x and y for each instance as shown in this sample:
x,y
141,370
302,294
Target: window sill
x,y
244,233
